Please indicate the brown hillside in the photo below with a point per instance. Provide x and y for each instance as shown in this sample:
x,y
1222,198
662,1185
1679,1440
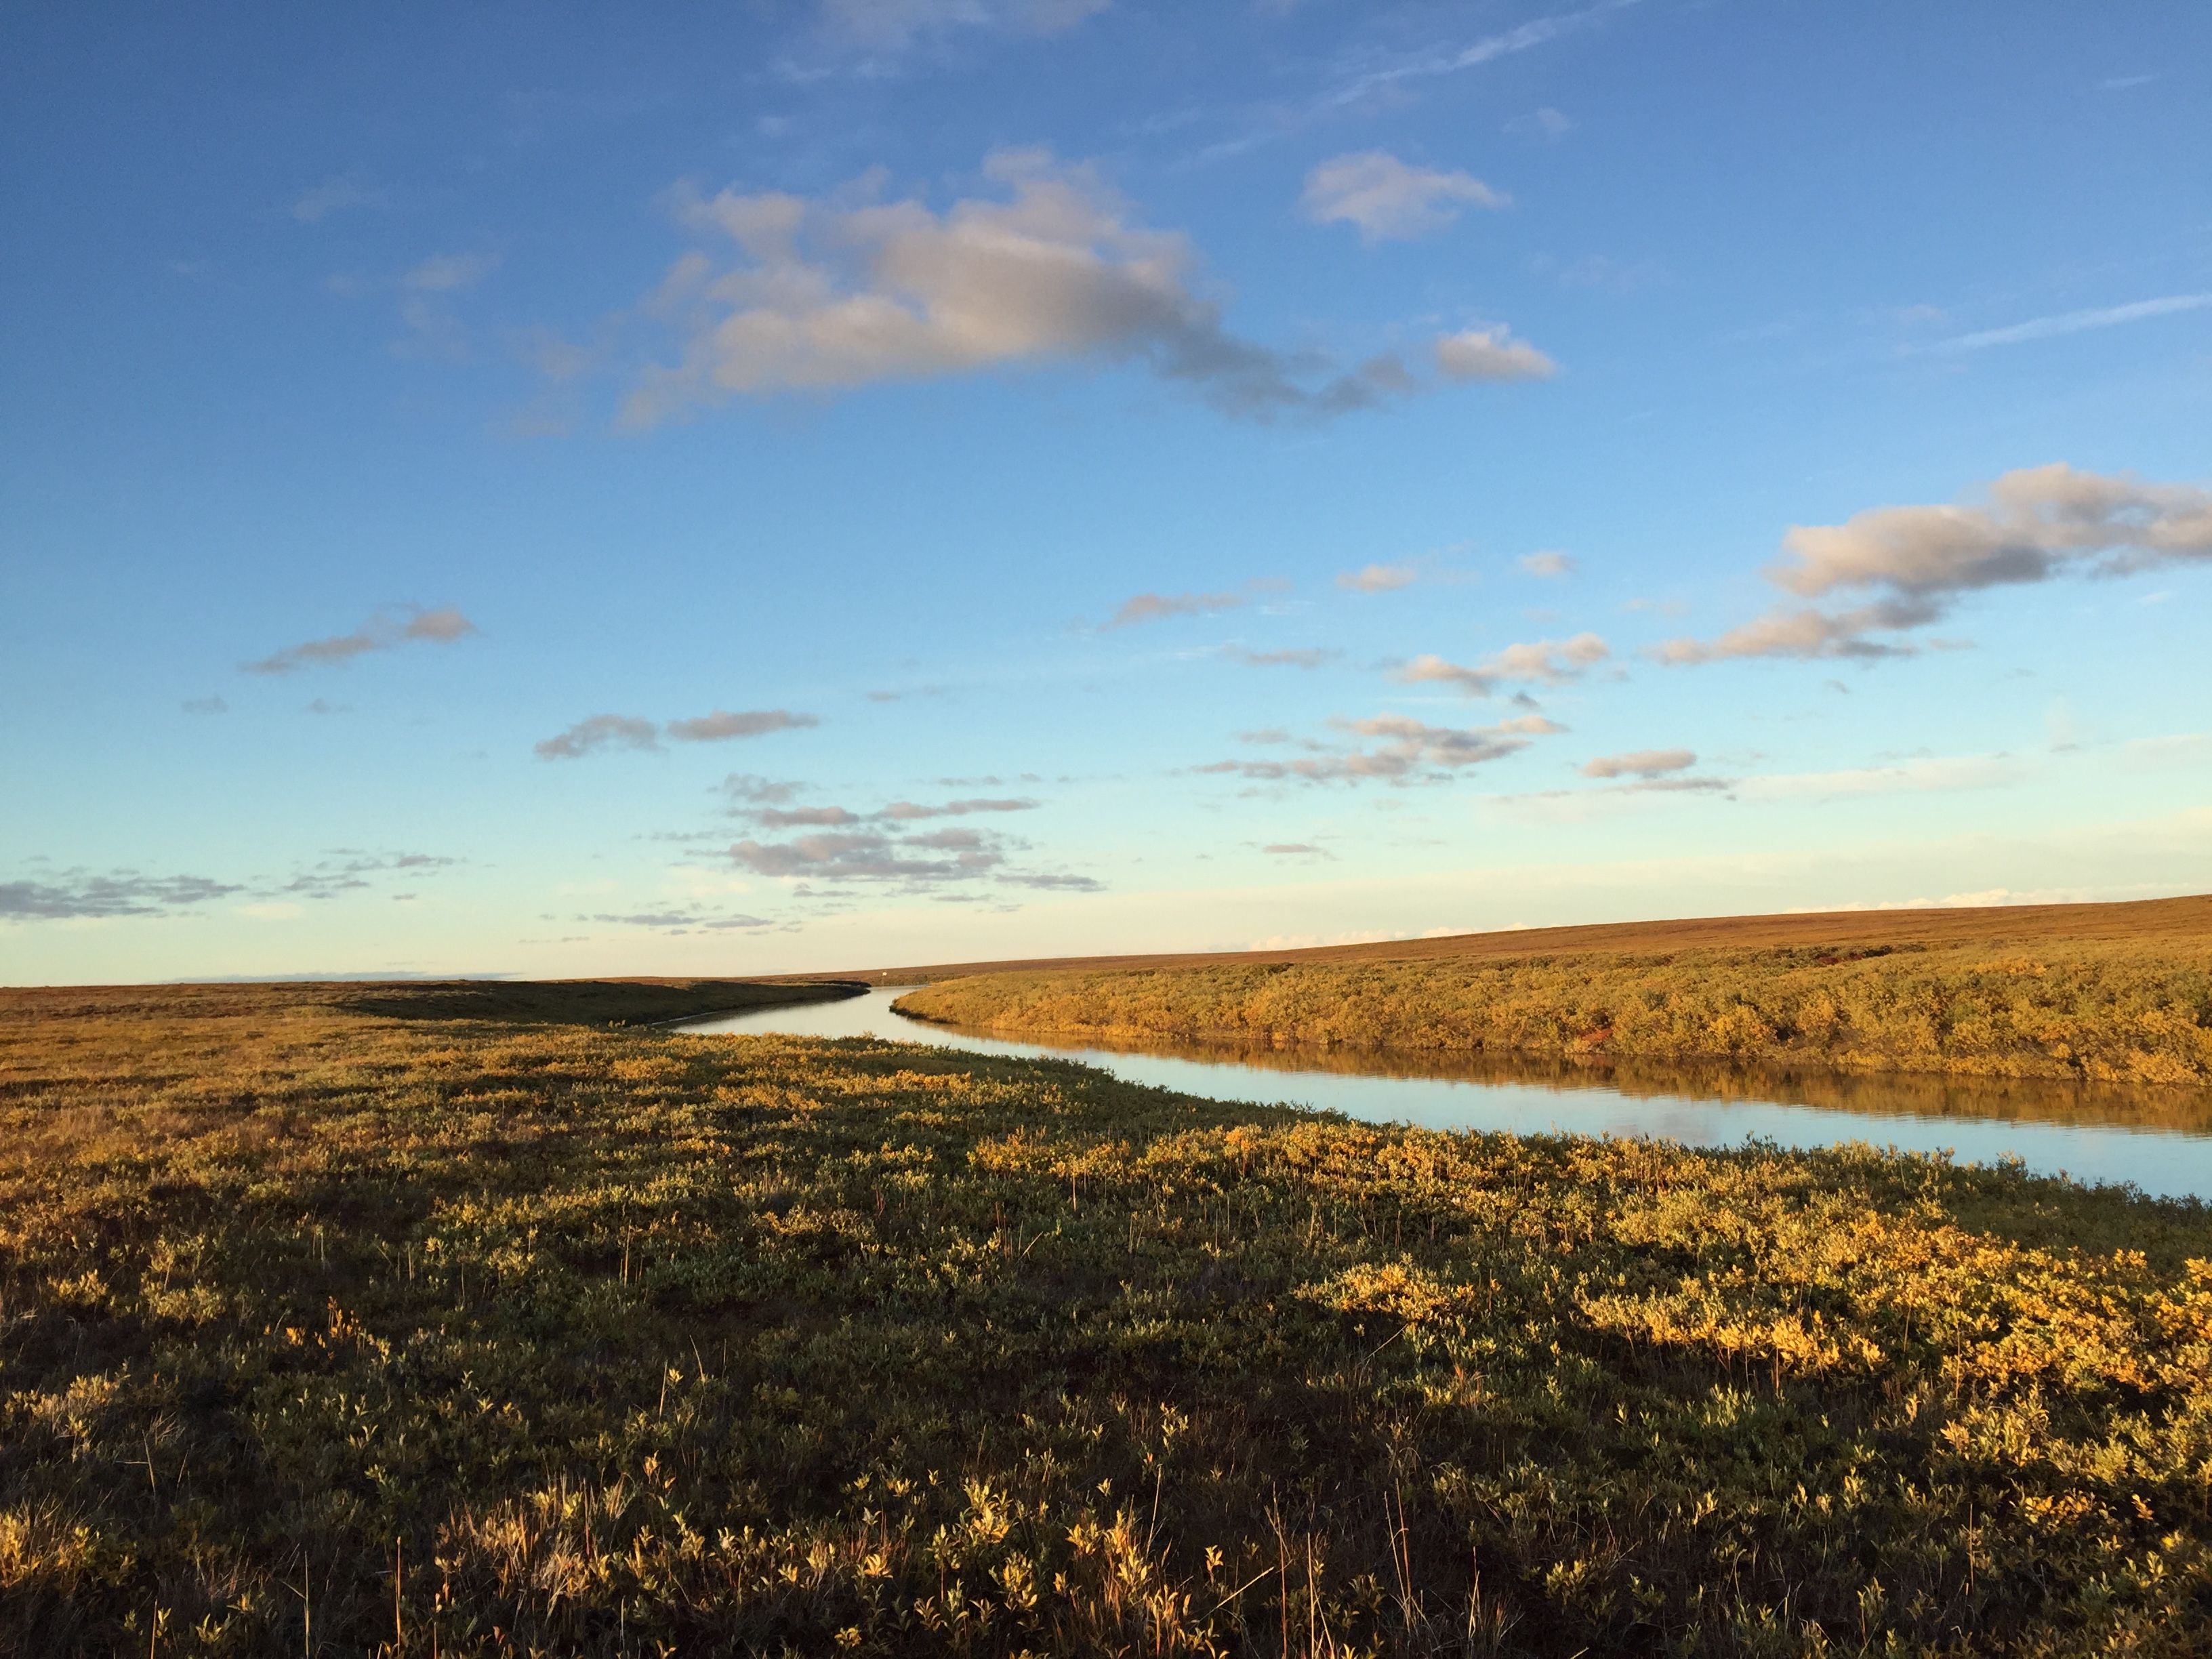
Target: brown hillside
x,y
2144,920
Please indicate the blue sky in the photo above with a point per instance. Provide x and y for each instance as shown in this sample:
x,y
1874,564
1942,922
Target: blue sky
x,y
544,490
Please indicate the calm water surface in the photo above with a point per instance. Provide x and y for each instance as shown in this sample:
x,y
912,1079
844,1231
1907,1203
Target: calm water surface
x,y
2159,1139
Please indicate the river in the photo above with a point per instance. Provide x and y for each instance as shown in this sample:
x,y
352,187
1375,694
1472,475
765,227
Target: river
x,y
2160,1140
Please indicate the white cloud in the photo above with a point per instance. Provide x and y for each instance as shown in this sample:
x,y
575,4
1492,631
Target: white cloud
x,y
1384,199
1547,564
1490,353
1549,662
1913,564
828,295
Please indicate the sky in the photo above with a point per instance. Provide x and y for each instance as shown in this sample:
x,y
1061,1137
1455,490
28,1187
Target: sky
x,y
734,487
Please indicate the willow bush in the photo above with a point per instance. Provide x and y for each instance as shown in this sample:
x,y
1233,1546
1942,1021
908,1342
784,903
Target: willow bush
x,y
2101,1011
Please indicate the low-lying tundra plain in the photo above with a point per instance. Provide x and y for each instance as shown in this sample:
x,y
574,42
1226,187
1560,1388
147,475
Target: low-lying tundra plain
x,y
458,1320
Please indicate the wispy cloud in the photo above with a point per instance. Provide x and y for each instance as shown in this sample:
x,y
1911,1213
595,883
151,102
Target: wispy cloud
x,y
908,810
1158,607
599,731
898,813
2073,322
346,871
382,632
450,273
1610,798
1911,564
1051,882
1544,122
1378,578
1599,272
1548,662
1651,774
1443,60
1373,79
894,26
1546,563
1640,764
1933,774
802,818
318,201
1395,749
1310,656
751,789
722,725
1386,199
873,856
78,895
885,846
694,920
425,294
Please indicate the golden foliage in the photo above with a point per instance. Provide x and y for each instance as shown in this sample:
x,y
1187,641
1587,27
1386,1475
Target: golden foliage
x,y
2098,1011
327,1326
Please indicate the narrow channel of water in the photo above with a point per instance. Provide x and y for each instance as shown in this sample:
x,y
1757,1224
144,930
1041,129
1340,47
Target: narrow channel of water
x,y
2161,1140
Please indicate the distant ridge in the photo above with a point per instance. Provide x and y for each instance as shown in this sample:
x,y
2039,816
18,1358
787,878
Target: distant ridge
x,y
2189,918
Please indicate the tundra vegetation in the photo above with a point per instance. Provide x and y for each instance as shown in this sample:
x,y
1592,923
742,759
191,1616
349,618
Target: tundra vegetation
x,y
2101,1010
457,1320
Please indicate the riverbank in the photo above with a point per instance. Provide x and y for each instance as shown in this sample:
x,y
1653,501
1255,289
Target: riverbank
x,y
2098,1011
363,1324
